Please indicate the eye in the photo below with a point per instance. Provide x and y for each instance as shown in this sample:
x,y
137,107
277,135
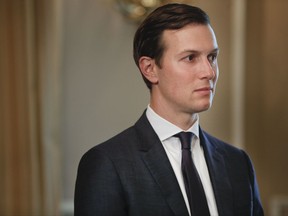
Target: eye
x,y
190,57
212,58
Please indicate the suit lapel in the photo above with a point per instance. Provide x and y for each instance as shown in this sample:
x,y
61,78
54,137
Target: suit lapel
x,y
218,174
156,160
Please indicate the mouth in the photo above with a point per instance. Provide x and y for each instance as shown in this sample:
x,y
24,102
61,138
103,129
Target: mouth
x,y
205,89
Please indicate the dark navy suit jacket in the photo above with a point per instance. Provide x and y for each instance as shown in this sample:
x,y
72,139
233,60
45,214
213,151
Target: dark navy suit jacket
x,y
130,174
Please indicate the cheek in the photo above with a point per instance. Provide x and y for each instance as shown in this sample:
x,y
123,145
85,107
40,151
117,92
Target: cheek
x,y
173,85
168,76
175,78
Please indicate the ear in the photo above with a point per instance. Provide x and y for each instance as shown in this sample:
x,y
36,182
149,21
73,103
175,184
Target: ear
x,y
148,68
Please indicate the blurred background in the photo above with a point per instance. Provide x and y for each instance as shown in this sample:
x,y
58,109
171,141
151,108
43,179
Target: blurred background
x,y
68,82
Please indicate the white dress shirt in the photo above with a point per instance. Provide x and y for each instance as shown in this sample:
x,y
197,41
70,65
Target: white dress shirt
x,y
165,131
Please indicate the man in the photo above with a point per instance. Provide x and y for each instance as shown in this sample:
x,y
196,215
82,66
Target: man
x,y
143,170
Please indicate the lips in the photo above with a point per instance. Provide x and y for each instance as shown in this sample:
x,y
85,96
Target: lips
x,y
204,89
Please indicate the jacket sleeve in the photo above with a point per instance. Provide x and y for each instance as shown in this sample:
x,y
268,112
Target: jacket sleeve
x,y
98,189
257,209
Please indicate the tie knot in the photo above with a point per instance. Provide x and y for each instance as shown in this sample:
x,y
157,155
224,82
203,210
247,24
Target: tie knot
x,y
185,139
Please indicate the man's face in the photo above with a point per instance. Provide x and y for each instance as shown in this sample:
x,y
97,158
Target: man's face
x,y
188,74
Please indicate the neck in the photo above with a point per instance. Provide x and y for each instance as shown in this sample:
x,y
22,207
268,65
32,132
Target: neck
x,y
180,119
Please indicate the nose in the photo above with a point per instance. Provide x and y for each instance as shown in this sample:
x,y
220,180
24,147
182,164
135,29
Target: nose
x,y
208,69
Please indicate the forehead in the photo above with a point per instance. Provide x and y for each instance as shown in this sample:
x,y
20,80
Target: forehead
x,y
191,37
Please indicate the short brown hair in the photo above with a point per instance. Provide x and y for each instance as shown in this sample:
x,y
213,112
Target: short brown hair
x,y
147,39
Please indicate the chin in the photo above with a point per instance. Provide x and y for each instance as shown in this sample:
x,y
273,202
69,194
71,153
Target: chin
x,y
204,107
199,107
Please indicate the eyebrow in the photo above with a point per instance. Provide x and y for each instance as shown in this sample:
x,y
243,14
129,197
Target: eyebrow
x,y
216,50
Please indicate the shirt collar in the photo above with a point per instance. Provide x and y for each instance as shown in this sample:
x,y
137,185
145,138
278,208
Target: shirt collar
x,y
165,129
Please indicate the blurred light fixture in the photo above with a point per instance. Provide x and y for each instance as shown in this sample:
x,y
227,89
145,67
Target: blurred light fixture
x,y
137,10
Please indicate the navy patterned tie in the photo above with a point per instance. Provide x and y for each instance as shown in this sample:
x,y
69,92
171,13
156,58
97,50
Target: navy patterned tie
x,y
194,189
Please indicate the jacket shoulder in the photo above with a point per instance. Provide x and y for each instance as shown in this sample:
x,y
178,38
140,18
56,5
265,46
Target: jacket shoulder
x,y
121,142
220,144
